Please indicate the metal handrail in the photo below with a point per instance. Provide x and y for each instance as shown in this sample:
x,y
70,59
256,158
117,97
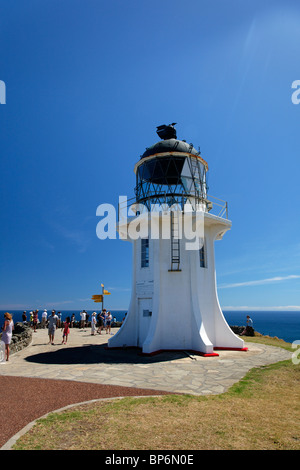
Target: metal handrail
x,y
221,207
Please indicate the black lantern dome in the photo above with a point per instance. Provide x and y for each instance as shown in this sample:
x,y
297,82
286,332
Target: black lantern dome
x,y
170,145
170,171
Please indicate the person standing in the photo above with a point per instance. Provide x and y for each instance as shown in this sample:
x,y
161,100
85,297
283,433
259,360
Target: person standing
x,y
52,326
108,322
35,320
83,317
24,317
104,319
66,332
59,319
44,318
100,319
7,332
72,320
93,323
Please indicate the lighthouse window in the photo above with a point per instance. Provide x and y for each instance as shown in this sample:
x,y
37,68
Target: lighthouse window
x,y
202,257
145,252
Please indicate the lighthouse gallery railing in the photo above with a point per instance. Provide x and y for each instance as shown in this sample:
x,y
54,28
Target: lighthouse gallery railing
x,y
212,204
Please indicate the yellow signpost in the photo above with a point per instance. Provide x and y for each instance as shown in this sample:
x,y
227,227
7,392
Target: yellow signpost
x,y
100,297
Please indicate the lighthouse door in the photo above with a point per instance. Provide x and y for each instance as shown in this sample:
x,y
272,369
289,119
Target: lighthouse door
x,y
144,319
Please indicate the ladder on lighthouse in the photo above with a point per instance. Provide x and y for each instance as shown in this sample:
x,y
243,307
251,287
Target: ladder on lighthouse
x,y
175,242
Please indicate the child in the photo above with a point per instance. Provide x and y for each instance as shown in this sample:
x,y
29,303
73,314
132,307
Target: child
x,y
66,328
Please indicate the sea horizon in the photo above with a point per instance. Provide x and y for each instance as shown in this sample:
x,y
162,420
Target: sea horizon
x,y
284,324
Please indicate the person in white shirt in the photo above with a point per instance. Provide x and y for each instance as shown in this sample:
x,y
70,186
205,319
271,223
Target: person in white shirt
x,y
108,322
93,323
44,318
83,317
52,326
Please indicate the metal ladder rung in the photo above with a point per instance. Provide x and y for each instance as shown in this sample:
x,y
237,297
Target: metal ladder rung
x,y
175,243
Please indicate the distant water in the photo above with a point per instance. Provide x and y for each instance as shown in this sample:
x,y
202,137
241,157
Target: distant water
x,y
284,325
17,314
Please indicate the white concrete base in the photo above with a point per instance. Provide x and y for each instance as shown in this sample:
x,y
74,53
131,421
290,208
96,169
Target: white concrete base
x,y
176,310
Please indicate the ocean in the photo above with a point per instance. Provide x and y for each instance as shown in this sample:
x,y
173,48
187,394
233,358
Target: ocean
x,y
17,314
283,324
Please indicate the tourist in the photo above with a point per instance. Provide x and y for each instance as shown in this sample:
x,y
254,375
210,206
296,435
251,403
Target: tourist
x,y
52,326
44,318
35,320
104,318
83,317
72,320
108,322
7,332
66,330
93,323
100,319
24,317
59,319
249,326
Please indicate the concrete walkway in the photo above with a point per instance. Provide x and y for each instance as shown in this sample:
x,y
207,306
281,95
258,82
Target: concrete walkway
x,y
85,359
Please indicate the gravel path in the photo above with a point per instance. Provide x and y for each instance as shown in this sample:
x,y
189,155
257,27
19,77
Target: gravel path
x,y
27,399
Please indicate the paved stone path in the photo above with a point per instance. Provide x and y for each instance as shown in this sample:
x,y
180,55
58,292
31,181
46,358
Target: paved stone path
x,y
86,359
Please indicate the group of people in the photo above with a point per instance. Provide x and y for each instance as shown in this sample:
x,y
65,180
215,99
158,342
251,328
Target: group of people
x,y
54,321
33,319
102,320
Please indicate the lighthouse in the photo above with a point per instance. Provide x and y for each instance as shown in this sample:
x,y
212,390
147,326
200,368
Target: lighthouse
x,y
173,225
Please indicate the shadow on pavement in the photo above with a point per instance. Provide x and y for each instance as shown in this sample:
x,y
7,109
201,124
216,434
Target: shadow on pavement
x,y
99,354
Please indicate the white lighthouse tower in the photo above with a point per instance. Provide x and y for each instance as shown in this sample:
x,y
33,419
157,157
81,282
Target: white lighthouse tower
x,y
174,302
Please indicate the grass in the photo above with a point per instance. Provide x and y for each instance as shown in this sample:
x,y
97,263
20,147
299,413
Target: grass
x,y
268,340
259,412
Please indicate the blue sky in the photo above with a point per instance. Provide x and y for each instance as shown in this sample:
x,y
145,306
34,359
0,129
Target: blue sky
x,y
88,81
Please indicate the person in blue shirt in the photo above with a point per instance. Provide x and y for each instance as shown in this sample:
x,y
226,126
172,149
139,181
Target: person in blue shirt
x,y
249,325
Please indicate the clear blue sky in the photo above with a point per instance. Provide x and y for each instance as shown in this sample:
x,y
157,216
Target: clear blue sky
x,y
88,81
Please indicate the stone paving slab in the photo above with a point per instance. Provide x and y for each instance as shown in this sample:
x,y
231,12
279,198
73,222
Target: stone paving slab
x,y
86,359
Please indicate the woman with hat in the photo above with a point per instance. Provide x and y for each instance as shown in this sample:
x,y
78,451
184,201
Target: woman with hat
x,y
7,329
